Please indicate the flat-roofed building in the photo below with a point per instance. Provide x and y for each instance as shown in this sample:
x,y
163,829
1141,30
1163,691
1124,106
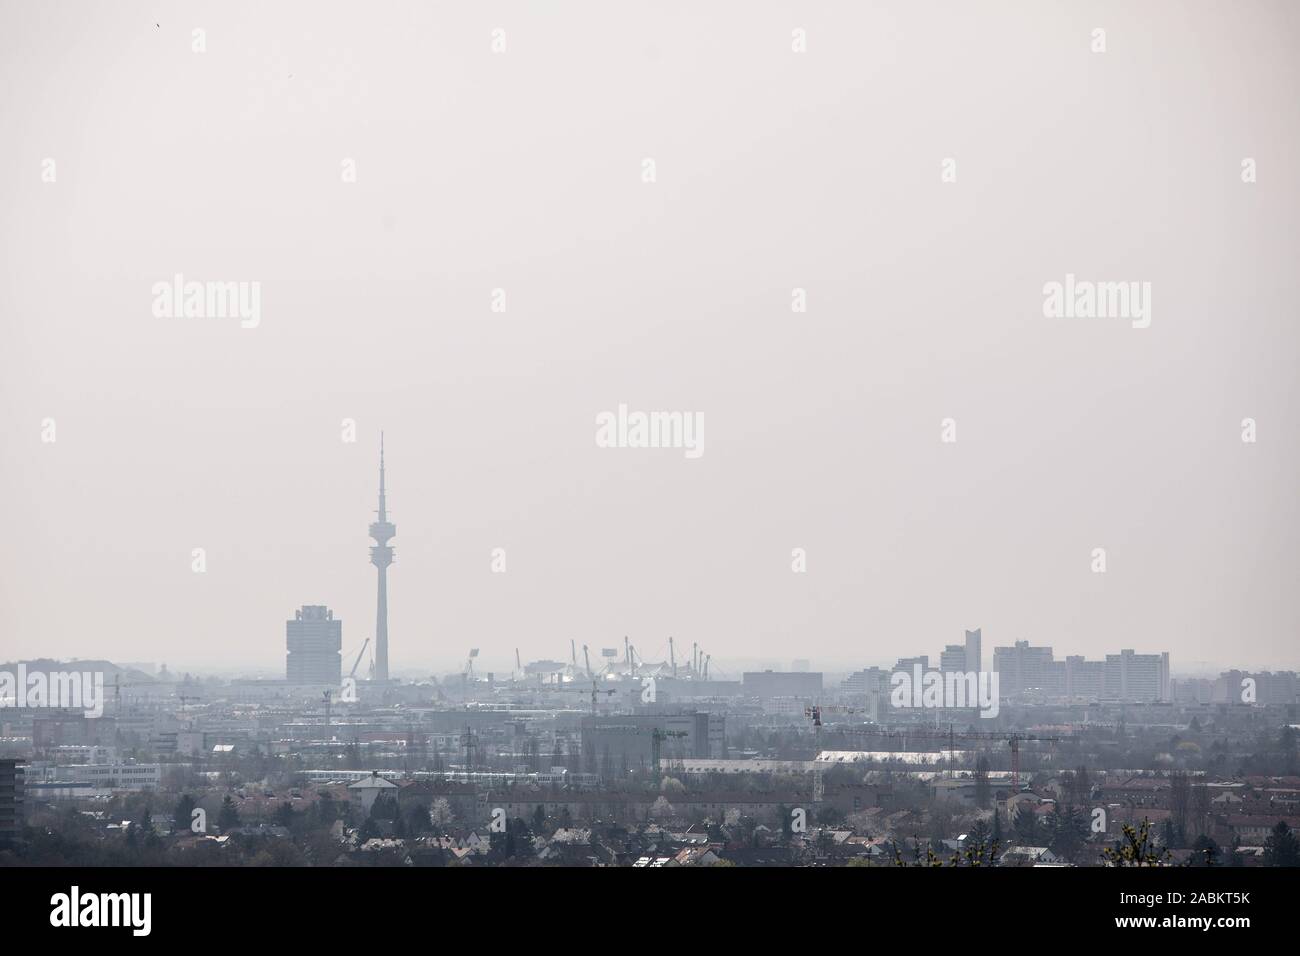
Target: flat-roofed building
x,y
11,800
953,659
764,684
974,650
1022,668
1133,676
612,742
314,640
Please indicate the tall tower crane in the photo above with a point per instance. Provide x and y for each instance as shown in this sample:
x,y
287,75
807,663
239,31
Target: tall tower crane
x,y
364,645
594,691
657,738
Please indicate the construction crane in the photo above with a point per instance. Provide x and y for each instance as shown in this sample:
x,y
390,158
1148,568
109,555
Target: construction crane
x,y
117,702
816,710
594,691
469,740
353,672
469,665
118,685
814,713
657,738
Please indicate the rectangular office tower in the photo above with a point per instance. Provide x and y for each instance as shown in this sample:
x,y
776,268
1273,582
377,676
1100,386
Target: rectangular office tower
x,y
974,654
314,640
11,800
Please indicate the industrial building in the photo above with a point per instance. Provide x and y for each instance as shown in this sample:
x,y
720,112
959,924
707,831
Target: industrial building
x,y
631,741
768,684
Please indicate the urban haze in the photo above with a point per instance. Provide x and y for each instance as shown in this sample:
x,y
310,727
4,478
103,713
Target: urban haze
x,y
599,434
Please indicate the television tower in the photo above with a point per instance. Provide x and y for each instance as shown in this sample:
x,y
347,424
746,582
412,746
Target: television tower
x,y
381,556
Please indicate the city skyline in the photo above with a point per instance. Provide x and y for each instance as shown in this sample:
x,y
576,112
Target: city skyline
x,y
382,530
828,439
486,305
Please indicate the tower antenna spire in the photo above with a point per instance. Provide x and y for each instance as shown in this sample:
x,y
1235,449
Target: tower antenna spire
x,y
381,556
383,498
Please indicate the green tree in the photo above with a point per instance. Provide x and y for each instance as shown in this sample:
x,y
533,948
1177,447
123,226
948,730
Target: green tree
x,y
1287,744
1169,833
1083,783
1025,825
228,815
1068,827
384,807
1205,852
182,816
1137,848
1281,848
284,815
982,789
417,820
1180,802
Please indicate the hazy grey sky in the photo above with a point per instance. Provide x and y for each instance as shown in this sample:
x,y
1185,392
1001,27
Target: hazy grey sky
x,y
523,170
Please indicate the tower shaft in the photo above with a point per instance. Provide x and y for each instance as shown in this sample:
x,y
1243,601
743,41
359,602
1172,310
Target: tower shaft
x,y
381,627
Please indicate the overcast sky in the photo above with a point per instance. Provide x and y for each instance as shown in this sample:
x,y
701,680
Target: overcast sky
x,y
523,170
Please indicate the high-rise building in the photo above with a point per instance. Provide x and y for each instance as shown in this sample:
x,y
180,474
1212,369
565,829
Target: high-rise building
x,y
11,800
867,680
1232,686
314,640
953,659
1084,678
974,655
1131,676
1276,688
381,556
1021,668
